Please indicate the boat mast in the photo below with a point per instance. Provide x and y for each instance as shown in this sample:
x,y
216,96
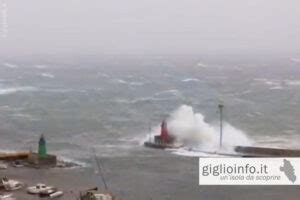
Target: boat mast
x,y
100,171
221,124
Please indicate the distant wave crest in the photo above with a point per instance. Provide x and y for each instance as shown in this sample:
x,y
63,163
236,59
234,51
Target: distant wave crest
x,y
47,75
10,65
190,80
132,83
6,91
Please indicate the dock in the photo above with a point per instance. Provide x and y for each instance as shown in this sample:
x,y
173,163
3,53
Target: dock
x,y
249,151
14,155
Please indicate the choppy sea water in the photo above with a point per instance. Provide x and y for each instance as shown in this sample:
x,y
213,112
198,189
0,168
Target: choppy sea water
x,y
81,107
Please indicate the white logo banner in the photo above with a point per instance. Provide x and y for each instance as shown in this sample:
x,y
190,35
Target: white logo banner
x,y
249,171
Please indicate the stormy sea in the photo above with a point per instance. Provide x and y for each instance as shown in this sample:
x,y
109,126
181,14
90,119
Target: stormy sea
x,y
112,106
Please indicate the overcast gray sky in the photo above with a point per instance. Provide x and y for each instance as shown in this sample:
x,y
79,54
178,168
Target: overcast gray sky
x,y
151,26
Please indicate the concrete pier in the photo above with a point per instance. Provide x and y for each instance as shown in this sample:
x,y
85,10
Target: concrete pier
x,y
266,152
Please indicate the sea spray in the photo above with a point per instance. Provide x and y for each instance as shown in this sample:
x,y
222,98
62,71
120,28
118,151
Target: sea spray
x,y
191,129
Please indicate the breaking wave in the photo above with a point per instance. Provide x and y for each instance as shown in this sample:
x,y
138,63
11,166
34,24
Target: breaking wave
x,y
78,164
191,129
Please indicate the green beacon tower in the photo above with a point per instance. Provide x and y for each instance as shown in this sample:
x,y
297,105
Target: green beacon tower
x,y
42,147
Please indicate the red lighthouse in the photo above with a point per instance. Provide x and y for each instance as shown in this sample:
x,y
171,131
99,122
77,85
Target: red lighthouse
x,y
164,140
164,132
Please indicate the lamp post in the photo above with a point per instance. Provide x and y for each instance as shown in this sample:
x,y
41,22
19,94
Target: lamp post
x,y
221,124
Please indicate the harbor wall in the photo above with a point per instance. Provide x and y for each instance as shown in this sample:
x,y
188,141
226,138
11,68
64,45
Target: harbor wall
x,y
267,152
14,155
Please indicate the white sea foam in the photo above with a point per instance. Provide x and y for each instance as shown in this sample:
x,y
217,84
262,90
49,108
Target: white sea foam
x,y
267,81
132,83
136,83
249,115
121,81
190,80
278,87
41,66
292,82
10,65
25,117
139,100
6,91
270,83
167,92
273,83
278,84
202,65
103,75
76,162
167,75
194,153
5,108
47,75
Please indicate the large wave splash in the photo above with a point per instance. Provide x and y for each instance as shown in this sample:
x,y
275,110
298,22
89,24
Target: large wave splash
x,y
191,129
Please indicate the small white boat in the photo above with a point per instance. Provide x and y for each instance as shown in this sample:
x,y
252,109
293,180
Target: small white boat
x,y
10,184
17,164
40,188
56,194
95,194
47,192
44,191
3,166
